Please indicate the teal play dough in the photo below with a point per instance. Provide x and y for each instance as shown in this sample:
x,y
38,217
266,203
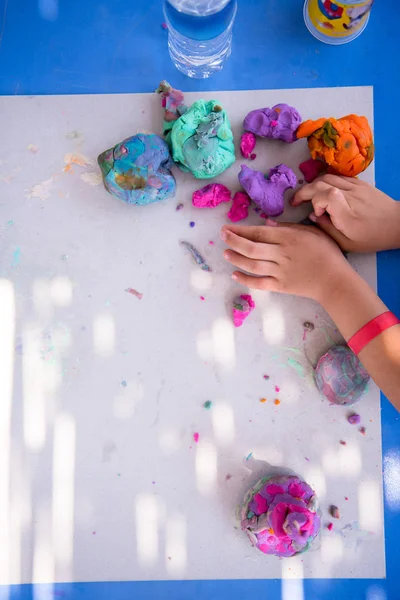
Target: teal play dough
x,y
202,140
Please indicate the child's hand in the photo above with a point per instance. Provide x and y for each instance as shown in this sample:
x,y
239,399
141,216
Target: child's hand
x,y
360,218
283,257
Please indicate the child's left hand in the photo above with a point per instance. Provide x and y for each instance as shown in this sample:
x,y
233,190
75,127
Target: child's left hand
x,y
288,258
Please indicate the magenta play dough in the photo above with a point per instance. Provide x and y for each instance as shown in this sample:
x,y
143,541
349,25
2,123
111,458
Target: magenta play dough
x,y
247,144
242,306
240,207
211,195
280,515
312,169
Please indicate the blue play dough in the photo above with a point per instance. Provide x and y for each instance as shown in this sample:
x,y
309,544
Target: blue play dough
x,y
137,170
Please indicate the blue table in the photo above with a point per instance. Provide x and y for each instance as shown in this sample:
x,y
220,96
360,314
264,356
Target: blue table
x,y
49,47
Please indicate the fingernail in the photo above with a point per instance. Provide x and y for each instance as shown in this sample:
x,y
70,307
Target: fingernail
x,y
271,223
227,255
223,235
312,217
234,276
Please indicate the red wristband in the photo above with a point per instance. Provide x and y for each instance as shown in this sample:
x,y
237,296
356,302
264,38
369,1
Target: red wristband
x,y
366,334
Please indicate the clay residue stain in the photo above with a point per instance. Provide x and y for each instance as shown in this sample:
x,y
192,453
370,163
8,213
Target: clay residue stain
x,y
296,366
92,178
16,257
41,190
76,159
134,292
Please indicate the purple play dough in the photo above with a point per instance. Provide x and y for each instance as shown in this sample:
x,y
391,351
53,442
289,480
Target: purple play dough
x,y
277,123
268,193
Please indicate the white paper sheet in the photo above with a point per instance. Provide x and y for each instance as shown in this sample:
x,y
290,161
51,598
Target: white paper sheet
x,y
100,476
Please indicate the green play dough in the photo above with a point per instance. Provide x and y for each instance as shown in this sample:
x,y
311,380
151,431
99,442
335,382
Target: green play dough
x,y
202,140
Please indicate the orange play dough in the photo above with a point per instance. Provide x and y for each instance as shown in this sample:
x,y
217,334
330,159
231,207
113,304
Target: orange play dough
x,y
345,144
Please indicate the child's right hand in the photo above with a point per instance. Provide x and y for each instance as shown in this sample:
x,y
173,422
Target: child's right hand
x,y
360,218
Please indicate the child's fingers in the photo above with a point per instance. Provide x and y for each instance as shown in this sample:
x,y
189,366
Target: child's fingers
x,y
320,185
253,233
307,192
257,267
339,181
328,227
256,283
333,201
250,249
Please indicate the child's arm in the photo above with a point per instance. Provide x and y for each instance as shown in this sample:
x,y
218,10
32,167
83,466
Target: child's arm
x,y
356,215
301,260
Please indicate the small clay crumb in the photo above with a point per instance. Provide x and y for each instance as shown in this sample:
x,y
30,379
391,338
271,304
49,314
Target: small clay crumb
x,y
346,498
228,477
354,419
179,206
342,443
276,401
334,511
253,156
207,404
330,526
266,377
263,399
363,430
192,224
164,26
217,108
308,325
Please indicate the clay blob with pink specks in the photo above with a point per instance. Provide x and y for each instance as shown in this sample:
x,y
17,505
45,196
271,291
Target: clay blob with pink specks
x,y
280,515
277,123
242,306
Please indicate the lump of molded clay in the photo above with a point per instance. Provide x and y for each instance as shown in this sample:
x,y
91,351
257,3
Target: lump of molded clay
x,y
354,419
280,515
211,195
137,170
311,169
240,207
200,137
202,140
172,102
345,144
247,144
277,123
242,306
268,193
340,376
